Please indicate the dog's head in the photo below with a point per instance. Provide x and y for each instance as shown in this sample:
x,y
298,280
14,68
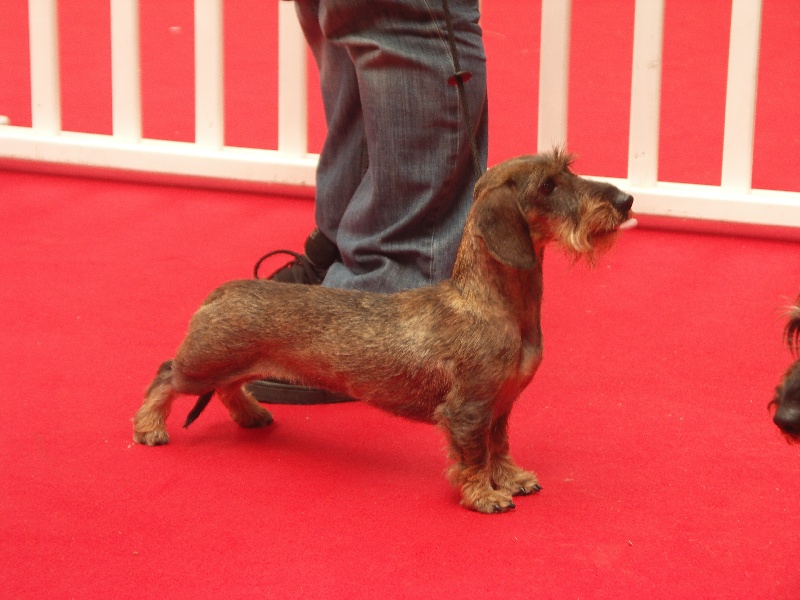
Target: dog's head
x,y
787,394
526,202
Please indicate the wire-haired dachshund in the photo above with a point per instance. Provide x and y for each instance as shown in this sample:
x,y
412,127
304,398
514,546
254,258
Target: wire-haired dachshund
x,y
456,354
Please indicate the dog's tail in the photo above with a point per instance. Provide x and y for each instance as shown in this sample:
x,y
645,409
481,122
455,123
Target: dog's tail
x,y
199,407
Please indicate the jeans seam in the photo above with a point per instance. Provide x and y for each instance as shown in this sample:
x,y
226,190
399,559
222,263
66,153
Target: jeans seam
x,y
448,183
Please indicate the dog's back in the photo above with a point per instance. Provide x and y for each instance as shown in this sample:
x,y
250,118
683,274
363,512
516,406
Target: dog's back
x,y
400,352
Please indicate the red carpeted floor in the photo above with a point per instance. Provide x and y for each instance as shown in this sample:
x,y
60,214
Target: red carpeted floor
x,y
647,423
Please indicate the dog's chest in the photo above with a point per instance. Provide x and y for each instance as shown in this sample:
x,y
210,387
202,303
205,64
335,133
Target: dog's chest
x,y
530,359
518,376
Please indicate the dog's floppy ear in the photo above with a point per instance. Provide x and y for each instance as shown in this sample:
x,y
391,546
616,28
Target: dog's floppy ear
x,y
501,225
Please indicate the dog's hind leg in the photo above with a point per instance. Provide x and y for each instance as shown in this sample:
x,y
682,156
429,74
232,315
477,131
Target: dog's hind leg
x,y
505,472
149,424
243,408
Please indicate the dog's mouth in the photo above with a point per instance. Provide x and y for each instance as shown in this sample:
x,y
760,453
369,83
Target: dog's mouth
x,y
791,439
623,203
628,223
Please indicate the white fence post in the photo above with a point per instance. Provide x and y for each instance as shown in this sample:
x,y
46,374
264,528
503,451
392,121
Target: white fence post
x,y
126,97
554,74
209,83
45,81
648,36
292,83
740,99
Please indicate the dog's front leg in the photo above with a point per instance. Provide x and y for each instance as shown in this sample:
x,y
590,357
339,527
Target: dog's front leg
x,y
467,426
505,472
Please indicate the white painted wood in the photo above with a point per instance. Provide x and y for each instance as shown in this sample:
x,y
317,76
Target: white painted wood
x,y
740,98
209,160
554,74
292,83
241,166
209,83
45,81
758,207
648,36
126,103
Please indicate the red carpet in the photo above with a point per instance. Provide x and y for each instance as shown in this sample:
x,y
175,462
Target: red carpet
x,y
647,423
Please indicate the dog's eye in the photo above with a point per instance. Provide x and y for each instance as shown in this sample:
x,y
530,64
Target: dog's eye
x,y
547,186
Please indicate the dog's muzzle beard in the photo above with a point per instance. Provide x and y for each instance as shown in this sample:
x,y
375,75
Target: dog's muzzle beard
x,y
595,230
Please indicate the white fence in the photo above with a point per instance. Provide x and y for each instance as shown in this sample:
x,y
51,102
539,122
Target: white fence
x,y
291,165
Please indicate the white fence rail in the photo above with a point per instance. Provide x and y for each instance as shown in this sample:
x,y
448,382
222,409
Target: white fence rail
x,y
125,150
207,158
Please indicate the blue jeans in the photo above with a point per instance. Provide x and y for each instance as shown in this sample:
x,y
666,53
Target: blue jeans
x,y
395,177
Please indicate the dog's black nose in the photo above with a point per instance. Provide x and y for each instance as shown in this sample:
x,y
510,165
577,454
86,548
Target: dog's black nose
x,y
623,202
787,418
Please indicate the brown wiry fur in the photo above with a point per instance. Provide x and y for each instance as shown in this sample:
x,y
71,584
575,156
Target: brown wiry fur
x,y
457,354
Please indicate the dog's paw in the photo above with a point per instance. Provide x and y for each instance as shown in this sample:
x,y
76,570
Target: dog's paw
x,y
477,494
517,482
151,438
251,419
527,489
490,502
523,483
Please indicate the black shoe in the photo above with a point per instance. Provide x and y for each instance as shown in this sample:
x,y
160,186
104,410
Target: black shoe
x,y
274,392
308,268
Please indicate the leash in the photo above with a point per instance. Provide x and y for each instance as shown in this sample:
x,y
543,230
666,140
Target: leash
x,y
458,79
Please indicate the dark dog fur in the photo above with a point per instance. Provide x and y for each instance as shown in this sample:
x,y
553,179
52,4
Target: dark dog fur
x,y
456,354
787,394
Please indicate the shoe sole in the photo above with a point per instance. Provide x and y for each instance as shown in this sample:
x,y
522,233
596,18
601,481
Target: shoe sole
x,y
273,392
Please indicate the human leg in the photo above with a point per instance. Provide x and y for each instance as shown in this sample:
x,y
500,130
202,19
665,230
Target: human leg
x,y
401,226
395,177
